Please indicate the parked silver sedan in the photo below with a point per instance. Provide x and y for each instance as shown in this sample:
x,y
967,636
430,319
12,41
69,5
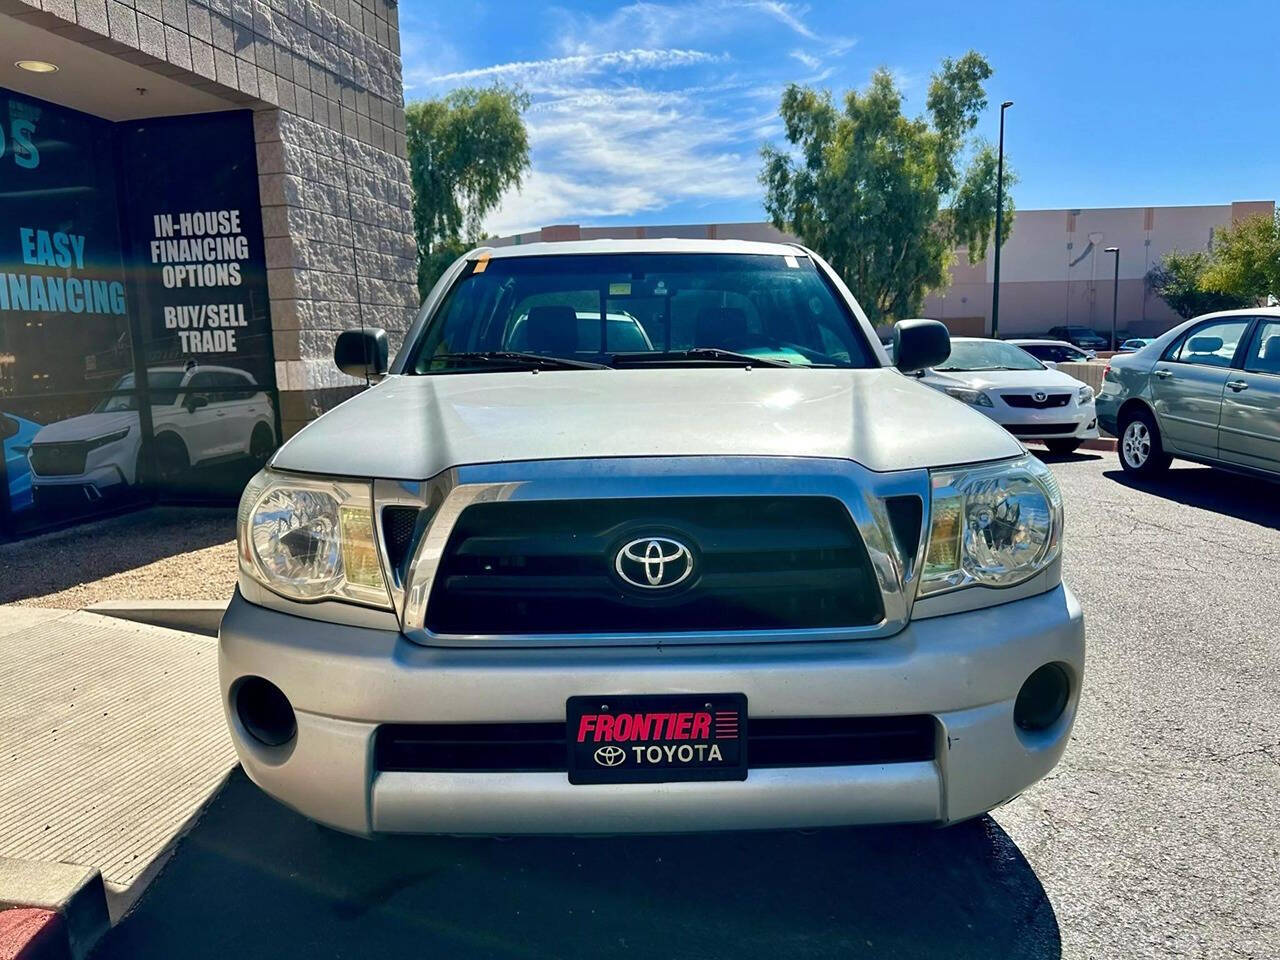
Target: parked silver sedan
x,y
1208,390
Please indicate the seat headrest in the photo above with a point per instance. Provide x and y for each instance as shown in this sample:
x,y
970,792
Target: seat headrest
x,y
1271,349
553,330
724,327
1204,344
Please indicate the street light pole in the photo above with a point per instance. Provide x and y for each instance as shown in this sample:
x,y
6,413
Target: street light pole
x,y
1115,294
995,280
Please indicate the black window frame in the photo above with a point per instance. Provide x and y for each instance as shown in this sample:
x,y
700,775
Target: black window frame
x,y
1254,336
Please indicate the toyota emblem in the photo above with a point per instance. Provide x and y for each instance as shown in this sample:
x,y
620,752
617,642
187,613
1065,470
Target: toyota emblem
x,y
654,563
1039,396
610,756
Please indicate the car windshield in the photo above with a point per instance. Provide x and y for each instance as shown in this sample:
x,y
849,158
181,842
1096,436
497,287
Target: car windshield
x,y
640,309
163,384
988,355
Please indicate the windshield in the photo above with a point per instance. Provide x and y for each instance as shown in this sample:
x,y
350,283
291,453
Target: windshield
x,y
988,355
641,309
163,384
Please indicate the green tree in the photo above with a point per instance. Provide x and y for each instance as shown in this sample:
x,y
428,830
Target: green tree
x,y
1246,259
884,198
1180,280
465,151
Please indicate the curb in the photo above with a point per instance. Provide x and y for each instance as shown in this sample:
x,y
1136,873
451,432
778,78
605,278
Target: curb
x,y
29,933
61,910
191,616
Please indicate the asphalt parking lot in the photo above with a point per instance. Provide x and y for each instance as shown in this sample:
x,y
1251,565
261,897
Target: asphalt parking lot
x,y
1158,835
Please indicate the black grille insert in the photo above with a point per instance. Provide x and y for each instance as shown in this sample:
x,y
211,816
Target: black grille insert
x,y
1039,429
542,747
1028,400
399,528
58,459
760,563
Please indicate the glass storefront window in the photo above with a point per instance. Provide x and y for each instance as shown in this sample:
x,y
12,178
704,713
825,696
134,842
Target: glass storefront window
x,y
135,339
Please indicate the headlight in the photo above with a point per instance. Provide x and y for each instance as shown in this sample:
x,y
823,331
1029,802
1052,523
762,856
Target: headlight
x,y
994,525
102,441
1084,395
311,539
975,398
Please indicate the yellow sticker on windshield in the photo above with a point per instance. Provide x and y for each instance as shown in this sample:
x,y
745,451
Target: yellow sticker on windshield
x,y
791,261
620,289
482,262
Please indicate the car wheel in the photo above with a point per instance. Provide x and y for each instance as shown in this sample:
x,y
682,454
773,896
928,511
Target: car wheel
x,y
1140,449
1063,446
171,460
261,443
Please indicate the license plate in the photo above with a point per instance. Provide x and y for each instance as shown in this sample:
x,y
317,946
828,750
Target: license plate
x,y
657,738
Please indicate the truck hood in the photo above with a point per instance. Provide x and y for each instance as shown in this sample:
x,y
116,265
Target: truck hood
x,y
87,426
413,427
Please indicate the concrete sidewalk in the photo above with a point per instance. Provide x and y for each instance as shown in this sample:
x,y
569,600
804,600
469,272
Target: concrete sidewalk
x,y
111,739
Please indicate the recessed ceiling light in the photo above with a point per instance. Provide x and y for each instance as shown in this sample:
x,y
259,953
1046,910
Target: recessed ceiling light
x,y
36,66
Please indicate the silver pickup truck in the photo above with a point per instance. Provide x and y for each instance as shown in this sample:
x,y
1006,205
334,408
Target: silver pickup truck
x,y
640,536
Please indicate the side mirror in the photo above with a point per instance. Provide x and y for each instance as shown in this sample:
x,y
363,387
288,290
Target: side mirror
x,y
362,353
195,401
918,344
1051,364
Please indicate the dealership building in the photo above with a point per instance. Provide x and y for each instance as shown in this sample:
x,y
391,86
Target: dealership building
x,y
1054,268
195,197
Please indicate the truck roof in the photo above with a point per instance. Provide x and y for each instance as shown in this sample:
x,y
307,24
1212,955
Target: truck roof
x,y
647,245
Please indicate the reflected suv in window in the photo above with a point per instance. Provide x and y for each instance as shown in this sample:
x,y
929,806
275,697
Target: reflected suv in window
x,y
200,414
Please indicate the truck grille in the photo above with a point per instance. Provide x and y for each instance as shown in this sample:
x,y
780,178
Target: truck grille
x,y
549,567
543,747
58,459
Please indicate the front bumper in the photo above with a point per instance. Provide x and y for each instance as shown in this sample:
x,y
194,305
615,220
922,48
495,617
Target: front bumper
x,y
1062,423
964,669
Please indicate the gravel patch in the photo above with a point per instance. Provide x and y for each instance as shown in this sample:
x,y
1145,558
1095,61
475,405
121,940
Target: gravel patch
x,y
162,553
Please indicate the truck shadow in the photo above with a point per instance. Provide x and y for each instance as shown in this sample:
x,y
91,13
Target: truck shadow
x,y
253,879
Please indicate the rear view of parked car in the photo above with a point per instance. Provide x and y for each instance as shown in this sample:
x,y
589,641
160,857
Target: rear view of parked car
x,y
1053,352
1208,390
1086,338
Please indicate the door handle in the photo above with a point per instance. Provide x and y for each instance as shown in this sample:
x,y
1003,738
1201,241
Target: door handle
x,y
1238,385
1164,374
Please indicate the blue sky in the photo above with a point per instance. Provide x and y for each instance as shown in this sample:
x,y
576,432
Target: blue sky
x,y
655,112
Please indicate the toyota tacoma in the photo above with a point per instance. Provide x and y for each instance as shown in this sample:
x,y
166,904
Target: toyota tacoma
x,y
642,536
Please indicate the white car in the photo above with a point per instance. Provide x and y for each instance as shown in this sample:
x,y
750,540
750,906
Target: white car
x,y
199,414
1053,352
1018,392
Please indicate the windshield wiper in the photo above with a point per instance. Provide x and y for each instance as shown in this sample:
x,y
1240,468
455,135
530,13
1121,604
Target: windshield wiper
x,y
518,358
702,353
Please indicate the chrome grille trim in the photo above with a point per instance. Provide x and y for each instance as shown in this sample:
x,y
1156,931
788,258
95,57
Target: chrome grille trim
x,y
862,492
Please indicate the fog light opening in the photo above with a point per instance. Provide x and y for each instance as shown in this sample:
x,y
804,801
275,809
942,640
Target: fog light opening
x,y
265,712
1042,698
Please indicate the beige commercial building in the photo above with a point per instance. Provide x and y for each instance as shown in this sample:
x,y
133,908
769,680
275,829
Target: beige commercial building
x,y
1053,270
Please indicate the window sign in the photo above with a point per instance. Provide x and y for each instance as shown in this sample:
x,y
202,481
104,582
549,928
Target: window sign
x,y
135,338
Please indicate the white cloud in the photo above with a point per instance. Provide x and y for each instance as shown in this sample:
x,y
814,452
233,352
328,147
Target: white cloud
x,y
533,72
808,59
617,151
642,108
686,23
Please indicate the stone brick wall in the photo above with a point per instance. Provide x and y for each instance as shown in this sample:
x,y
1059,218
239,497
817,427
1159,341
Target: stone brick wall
x,y
324,80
